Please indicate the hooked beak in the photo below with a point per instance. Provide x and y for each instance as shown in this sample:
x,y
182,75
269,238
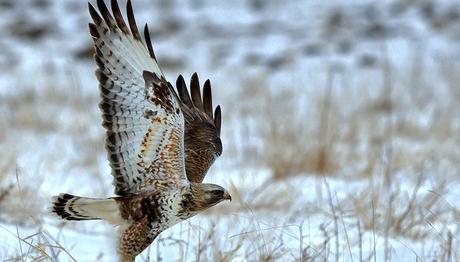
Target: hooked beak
x,y
227,196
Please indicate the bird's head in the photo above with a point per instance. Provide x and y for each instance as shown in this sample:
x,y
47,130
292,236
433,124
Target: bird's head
x,y
204,196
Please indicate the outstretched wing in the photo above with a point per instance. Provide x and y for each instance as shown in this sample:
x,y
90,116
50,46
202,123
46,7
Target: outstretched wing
x,y
140,110
202,128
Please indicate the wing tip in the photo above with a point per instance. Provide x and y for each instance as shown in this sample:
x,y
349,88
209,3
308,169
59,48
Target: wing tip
x,y
97,19
108,18
181,87
218,119
132,21
119,17
180,79
207,98
148,42
195,91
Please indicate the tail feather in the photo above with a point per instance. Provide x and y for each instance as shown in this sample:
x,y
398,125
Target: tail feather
x,y
70,207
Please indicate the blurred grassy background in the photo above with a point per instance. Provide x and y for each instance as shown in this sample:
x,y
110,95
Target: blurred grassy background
x,y
341,128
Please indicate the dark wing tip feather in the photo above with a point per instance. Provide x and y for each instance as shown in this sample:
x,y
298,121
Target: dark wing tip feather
x,y
202,130
106,14
218,119
183,93
207,98
93,31
149,42
132,21
94,14
195,91
119,17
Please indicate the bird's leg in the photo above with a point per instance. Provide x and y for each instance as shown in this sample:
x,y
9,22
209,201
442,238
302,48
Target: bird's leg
x,y
133,239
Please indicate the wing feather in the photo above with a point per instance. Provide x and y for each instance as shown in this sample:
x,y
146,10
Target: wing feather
x,y
162,148
217,119
106,14
140,111
149,42
183,93
195,90
119,17
207,98
132,21
202,131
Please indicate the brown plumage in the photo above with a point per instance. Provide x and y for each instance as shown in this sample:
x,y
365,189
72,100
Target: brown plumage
x,y
160,143
202,128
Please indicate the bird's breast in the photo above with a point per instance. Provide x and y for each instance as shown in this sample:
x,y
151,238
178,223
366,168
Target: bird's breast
x,y
171,207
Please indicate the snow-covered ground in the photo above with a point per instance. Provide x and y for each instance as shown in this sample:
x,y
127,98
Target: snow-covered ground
x,y
341,128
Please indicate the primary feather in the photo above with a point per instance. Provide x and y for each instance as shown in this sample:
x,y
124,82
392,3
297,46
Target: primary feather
x,y
139,123
202,128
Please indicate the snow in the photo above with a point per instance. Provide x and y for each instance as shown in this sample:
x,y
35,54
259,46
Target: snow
x,y
52,141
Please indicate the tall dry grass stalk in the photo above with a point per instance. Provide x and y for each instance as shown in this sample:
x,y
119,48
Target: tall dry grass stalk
x,y
397,132
400,141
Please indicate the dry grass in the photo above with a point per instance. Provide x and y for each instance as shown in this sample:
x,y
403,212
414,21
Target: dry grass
x,y
404,136
386,124
40,246
394,135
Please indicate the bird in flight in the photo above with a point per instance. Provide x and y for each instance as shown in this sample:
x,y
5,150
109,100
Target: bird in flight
x,y
160,143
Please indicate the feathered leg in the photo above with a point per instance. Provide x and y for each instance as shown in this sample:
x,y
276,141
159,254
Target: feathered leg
x,y
133,239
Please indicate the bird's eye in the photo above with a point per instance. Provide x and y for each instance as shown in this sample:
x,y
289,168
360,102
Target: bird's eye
x,y
216,192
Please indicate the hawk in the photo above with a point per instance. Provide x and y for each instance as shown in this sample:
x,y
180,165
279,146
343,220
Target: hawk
x,y
160,142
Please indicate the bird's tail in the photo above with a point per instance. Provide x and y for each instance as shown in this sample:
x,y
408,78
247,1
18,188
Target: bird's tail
x,y
70,207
